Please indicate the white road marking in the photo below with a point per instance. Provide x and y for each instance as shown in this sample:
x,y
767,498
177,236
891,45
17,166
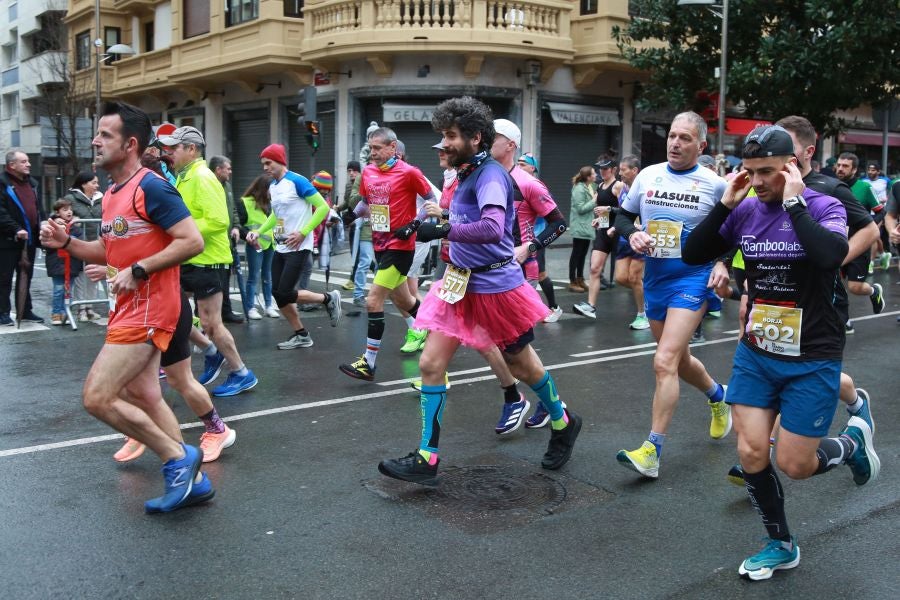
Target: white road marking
x,y
383,393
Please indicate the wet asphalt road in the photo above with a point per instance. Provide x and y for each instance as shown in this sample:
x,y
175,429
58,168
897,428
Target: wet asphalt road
x,y
301,511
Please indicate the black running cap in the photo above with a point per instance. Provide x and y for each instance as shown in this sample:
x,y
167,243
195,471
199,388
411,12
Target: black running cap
x,y
773,140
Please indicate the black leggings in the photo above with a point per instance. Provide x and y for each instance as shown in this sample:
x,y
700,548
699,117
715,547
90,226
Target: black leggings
x,y
288,269
580,249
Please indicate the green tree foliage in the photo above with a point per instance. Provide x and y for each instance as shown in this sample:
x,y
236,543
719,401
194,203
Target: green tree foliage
x,y
809,57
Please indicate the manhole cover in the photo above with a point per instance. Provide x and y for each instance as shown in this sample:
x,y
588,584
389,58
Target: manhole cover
x,y
495,494
492,487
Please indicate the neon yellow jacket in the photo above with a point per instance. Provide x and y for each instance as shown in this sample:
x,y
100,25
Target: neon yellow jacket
x,y
205,198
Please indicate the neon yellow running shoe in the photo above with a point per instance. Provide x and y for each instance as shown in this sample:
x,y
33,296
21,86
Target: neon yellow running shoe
x,y
415,340
643,460
417,383
720,419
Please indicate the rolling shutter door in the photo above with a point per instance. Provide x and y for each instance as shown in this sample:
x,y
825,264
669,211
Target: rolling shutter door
x,y
248,134
565,148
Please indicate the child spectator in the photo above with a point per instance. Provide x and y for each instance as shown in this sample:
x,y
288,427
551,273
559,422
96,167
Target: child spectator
x,y
61,267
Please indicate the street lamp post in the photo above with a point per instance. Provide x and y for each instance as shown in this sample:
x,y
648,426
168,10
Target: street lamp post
x,y
100,57
723,65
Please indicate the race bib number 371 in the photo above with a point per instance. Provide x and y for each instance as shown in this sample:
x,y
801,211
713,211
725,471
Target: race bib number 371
x,y
776,329
666,237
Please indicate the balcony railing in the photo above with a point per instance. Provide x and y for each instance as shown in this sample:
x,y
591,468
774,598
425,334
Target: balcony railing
x,y
355,28
46,68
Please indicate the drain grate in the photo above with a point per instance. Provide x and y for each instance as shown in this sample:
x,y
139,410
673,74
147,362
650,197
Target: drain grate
x,y
495,494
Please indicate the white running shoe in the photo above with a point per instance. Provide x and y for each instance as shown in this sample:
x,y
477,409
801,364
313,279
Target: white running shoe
x,y
554,315
273,312
253,313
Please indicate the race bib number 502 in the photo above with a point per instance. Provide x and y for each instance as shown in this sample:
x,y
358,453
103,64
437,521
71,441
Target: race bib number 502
x,y
776,329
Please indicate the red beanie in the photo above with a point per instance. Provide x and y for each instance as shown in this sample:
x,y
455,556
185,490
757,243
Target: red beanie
x,y
274,152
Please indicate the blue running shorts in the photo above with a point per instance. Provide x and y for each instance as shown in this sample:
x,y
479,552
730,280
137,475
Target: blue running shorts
x,y
805,392
688,292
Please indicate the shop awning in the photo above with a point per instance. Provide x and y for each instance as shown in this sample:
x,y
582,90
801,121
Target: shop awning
x,y
736,126
395,113
582,114
869,138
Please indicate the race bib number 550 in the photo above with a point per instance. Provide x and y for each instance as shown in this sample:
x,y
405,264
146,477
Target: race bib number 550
x,y
380,217
776,329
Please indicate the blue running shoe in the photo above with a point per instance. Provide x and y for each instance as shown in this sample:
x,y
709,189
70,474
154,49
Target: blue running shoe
x,y
768,560
201,491
179,476
865,413
235,384
540,418
864,463
212,366
512,415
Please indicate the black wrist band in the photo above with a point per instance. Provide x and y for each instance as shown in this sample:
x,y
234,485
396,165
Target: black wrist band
x,y
66,245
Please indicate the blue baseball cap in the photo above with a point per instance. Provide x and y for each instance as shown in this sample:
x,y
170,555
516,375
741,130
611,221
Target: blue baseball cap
x,y
529,159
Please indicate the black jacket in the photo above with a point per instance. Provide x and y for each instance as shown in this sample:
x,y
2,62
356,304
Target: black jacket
x,y
12,219
56,266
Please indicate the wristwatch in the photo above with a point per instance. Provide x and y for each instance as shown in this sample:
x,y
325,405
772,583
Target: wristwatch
x,y
792,202
138,272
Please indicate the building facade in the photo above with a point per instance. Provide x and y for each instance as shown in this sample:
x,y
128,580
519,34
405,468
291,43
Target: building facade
x,y
236,70
34,114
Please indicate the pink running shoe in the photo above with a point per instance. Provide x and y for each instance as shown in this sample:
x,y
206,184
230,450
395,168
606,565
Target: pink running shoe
x,y
129,451
212,444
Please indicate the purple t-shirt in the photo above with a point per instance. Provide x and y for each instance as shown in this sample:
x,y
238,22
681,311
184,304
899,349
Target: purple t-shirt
x,y
791,314
488,185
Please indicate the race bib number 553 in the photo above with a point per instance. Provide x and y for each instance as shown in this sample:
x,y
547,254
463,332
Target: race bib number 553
x,y
776,329
666,238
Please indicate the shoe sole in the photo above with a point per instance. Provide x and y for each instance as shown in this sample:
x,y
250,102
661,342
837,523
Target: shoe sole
x,y
584,314
542,423
133,456
625,461
874,461
728,425
215,375
355,374
878,305
336,311
735,480
236,392
229,442
280,347
868,401
519,421
767,572
565,458
427,480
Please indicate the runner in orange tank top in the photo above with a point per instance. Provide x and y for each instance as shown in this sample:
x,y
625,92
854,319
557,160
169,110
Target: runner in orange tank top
x,y
147,232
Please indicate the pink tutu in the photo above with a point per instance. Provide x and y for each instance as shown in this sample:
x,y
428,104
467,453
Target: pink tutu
x,y
483,320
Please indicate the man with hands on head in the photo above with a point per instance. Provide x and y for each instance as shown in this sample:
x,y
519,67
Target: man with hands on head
x,y
789,359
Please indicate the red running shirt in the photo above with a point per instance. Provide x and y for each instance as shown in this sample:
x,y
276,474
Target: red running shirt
x,y
391,196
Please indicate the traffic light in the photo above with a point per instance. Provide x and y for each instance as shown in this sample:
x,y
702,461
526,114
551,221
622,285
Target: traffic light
x,y
307,116
312,135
